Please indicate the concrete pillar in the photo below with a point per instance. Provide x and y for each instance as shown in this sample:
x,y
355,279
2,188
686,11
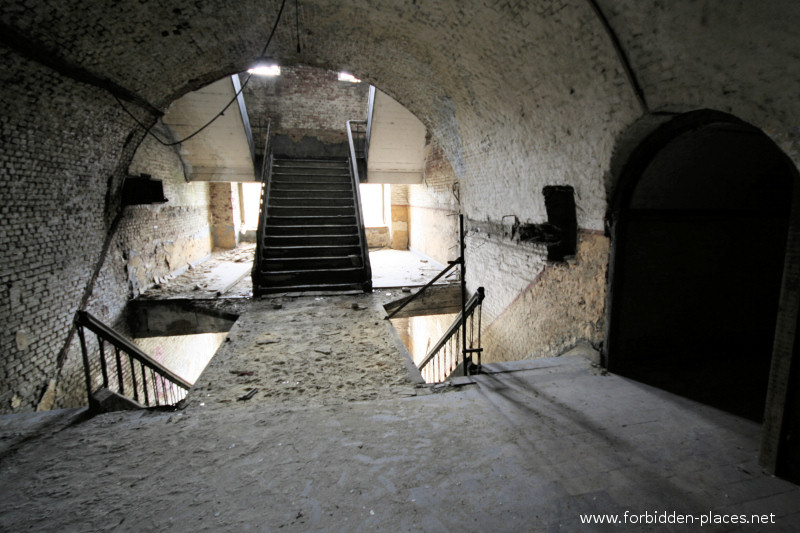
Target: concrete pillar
x,y
399,217
225,220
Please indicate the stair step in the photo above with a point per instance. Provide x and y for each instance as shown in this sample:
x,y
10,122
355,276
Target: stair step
x,y
313,230
280,162
310,220
311,202
316,287
311,263
312,251
313,276
310,193
281,241
308,211
305,179
311,240
323,174
310,186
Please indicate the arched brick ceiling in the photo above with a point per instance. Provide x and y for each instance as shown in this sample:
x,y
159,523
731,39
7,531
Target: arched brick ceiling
x,y
520,94
739,56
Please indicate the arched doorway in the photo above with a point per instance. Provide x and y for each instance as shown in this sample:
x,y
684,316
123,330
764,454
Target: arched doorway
x,y
699,230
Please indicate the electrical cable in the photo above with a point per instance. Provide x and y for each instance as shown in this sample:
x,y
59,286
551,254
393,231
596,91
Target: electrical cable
x,y
222,112
297,24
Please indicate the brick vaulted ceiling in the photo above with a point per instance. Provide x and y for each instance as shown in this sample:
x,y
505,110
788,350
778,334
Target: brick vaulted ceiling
x,y
538,90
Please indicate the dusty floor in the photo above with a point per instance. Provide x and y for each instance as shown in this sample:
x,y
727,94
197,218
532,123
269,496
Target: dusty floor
x,y
309,350
398,268
341,436
529,448
226,274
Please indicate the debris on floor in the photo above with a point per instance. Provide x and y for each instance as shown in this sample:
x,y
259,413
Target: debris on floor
x,y
224,274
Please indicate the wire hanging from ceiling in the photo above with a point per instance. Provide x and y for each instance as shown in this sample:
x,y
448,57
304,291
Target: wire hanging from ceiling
x,y
297,24
235,96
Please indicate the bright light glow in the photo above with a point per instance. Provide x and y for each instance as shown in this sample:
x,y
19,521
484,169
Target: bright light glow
x,y
344,76
265,70
372,204
251,199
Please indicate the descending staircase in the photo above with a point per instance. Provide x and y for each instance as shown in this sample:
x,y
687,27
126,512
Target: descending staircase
x,y
311,234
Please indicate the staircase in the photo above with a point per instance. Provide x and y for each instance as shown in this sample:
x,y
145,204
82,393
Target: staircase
x,y
312,237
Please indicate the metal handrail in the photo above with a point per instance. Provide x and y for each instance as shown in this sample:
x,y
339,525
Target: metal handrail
x,y
357,198
158,372
450,265
357,127
266,175
458,323
370,112
264,166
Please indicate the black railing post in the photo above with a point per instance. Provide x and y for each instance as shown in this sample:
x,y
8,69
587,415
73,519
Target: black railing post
x,y
86,371
103,367
481,295
133,379
144,384
120,380
465,354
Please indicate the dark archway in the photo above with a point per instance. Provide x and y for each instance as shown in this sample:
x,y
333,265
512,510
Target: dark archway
x,y
699,227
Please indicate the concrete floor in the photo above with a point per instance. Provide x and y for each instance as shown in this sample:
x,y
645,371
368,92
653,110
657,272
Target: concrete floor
x,y
529,447
226,274
404,268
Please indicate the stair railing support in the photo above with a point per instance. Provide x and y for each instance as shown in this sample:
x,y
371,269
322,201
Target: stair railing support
x,y
158,372
266,180
356,179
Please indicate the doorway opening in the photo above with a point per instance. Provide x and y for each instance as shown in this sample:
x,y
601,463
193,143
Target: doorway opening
x,y
700,228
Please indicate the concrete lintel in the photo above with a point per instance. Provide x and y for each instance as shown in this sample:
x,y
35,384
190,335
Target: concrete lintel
x,y
222,174
394,176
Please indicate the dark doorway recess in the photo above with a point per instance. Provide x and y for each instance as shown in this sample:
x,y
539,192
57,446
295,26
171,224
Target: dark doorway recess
x,y
699,228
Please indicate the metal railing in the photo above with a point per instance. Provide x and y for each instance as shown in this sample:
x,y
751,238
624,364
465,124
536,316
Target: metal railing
x,y
125,368
448,354
370,113
354,174
456,346
266,174
421,291
357,136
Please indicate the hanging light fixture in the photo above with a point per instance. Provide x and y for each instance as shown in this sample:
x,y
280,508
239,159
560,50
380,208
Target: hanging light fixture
x,y
265,66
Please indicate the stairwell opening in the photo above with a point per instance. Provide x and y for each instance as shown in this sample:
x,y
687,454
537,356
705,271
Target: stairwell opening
x,y
182,335
186,355
419,333
428,325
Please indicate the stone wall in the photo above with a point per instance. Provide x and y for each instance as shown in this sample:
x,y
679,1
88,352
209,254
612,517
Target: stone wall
x,y
378,237
150,242
308,108
433,208
399,216
225,215
62,144
562,306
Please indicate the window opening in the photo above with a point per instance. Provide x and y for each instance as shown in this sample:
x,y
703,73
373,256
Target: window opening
x,y
372,204
251,201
